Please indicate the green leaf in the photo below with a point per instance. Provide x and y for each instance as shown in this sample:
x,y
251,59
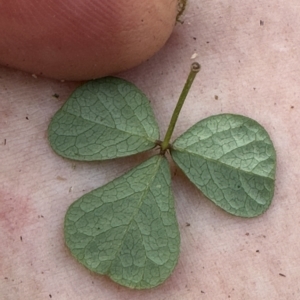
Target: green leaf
x,y
103,119
127,229
232,160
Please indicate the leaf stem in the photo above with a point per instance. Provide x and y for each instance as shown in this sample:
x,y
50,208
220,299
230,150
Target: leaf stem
x,y
195,68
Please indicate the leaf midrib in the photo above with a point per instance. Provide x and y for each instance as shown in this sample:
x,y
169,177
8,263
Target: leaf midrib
x,y
220,162
137,210
132,134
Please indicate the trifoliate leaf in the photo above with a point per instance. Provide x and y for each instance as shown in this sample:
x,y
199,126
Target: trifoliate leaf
x,y
232,160
103,119
127,229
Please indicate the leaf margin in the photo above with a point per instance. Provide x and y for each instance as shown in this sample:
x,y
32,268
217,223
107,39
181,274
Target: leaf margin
x,y
174,150
62,143
173,215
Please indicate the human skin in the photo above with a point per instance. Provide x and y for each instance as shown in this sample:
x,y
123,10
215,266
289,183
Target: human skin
x,y
249,52
80,40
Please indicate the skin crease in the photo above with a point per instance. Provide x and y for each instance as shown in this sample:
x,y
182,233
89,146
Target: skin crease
x,y
79,40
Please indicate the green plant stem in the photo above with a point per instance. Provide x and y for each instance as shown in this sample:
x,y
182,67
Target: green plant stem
x,y
195,68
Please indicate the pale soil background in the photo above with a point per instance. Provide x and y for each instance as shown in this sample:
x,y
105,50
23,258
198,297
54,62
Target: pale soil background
x,y
250,57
